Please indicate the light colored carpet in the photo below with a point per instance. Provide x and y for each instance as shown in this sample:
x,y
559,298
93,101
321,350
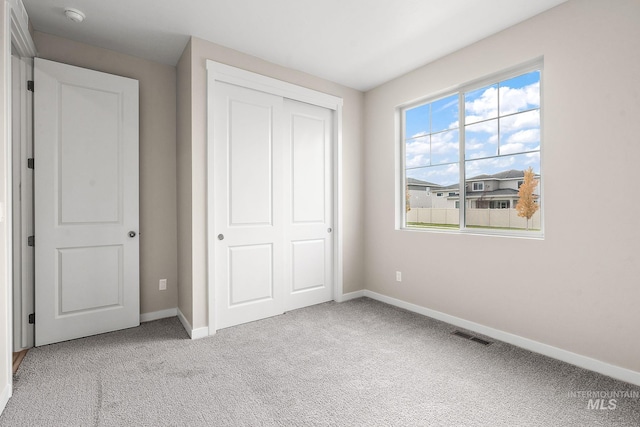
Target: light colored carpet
x,y
359,363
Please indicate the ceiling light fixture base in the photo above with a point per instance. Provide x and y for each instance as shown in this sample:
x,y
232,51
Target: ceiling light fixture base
x,y
74,14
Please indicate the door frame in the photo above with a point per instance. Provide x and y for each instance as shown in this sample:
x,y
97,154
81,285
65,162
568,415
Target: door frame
x,y
23,213
15,30
218,72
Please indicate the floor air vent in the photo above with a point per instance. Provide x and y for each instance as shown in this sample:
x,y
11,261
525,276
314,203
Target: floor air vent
x,y
470,337
462,335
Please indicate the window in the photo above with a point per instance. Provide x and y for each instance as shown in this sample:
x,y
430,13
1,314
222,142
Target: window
x,y
485,132
499,204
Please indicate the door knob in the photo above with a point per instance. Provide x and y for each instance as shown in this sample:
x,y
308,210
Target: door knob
x,y
329,230
220,236
132,234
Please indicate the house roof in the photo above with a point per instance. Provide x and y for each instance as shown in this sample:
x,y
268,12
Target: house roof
x,y
417,182
510,174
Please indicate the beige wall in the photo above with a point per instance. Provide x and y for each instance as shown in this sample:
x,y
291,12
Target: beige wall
x,y
202,50
578,288
158,229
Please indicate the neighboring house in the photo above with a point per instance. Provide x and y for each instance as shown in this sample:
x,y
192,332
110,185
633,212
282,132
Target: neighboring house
x,y
497,191
420,193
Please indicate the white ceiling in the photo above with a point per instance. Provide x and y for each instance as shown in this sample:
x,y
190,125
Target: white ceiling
x,y
358,43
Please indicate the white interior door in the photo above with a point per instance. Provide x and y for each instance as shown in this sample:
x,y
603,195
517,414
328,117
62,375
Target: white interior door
x,y
249,199
86,202
272,200
309,244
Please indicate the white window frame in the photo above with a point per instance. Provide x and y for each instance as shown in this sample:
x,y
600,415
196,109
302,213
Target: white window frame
x,y
500,76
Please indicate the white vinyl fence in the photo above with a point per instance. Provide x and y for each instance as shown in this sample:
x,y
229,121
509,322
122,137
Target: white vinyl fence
x,y
507,218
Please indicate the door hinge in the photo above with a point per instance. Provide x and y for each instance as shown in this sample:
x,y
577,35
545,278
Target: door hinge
x,y
30,162
31,240
32,318
30,85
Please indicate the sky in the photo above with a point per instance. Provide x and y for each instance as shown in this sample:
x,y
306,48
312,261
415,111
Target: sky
x,y
502,132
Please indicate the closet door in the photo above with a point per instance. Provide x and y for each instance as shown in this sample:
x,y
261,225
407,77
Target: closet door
x,y
272,198
308,215
248,202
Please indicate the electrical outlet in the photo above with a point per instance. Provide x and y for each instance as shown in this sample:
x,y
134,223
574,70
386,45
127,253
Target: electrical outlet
x,y
163,284
398,276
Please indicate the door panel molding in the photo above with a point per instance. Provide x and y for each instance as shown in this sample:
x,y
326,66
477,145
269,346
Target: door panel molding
x,y
217,72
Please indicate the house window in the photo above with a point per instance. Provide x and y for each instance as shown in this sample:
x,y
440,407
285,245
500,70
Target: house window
x,y
485,131
499,204
478,186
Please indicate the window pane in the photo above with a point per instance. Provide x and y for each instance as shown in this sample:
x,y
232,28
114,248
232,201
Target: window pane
x,y
481,140
417,121
441,176
418,152
496,182
444,114
432,193
520,93
445,147
481,104
520,132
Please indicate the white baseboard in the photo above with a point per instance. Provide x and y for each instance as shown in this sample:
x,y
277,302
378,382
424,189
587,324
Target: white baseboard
x,y
155,315
4,397
194,334
351,295
198,333
585,362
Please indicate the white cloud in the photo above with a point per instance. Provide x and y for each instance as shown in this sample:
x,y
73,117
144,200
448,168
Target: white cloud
x,y
445,142
514,100
530,119
417,152
512,148
528,136
483,107
490,126
511,101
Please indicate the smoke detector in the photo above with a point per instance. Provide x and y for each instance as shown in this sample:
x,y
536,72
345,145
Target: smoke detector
x,y
74,14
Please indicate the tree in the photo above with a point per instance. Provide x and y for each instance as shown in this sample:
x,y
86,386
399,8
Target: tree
x,y
408,199
527,205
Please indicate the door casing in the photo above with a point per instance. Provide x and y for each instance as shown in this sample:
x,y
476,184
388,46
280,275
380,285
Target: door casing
x,y
218,72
